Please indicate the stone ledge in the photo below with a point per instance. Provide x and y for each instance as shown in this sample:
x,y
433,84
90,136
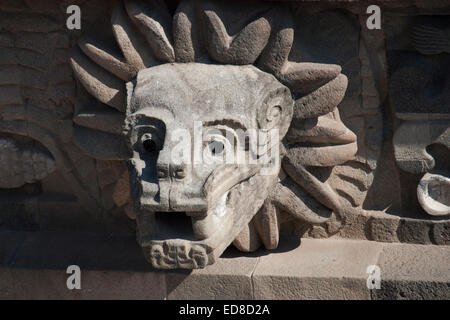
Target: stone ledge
x,y
33,265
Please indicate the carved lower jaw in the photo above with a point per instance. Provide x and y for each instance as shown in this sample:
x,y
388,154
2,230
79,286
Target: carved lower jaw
x,y
178,253
209,235
175,242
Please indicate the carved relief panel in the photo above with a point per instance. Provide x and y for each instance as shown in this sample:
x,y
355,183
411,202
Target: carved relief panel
x,y
128,125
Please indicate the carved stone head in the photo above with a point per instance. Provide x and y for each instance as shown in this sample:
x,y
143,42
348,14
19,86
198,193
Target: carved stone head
x,y
206,198
205,117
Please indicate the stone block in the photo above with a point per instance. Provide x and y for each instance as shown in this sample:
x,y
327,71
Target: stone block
x,y
57,250
228,278
354,226
43,284
414,272
383,228
415,262
441,233
414,231
317,269
35,264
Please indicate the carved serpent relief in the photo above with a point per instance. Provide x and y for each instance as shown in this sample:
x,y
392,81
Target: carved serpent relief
x,y
228,70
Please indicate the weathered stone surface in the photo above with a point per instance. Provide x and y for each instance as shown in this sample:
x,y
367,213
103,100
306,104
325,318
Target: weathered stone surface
x,y
321,130
58,250
243,48
121,193
415,85
350,183
36,42
6,39
113,268
412,290
131,43
267,225
8,253
303,77
20,164
155,23
321,191
102,119
321,101
101,145
414,231
303,273
16,75
414,272
30,22
355,225
383,228
32,284
10,95
248,240
229,278
419,95
430,39
441,233
412,139
98,82
107,57
323,156
292,199
187,35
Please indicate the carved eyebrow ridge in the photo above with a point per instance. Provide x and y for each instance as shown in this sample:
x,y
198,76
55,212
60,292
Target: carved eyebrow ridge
x,y
227,122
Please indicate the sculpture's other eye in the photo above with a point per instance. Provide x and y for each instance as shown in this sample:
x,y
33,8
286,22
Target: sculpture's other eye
x,y
150,143
216,147
219,140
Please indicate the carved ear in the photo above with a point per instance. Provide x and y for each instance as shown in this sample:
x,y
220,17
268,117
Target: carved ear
x,y
276,110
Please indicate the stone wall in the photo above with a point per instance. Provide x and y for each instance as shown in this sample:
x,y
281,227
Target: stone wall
x,y
61,162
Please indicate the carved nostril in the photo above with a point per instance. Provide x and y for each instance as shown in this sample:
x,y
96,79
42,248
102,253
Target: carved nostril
x,y
180,173
162,174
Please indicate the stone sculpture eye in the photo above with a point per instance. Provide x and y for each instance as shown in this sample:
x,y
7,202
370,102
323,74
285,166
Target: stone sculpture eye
x,y
216,147
220,139
150,143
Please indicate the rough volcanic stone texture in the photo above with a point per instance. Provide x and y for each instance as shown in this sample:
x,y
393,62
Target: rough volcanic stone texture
x,y
414,231
315,270
383,228
414,272
51,284
441,233
228,278
312,269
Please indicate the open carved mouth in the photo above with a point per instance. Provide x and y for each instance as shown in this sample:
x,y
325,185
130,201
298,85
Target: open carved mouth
x,y
195,239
